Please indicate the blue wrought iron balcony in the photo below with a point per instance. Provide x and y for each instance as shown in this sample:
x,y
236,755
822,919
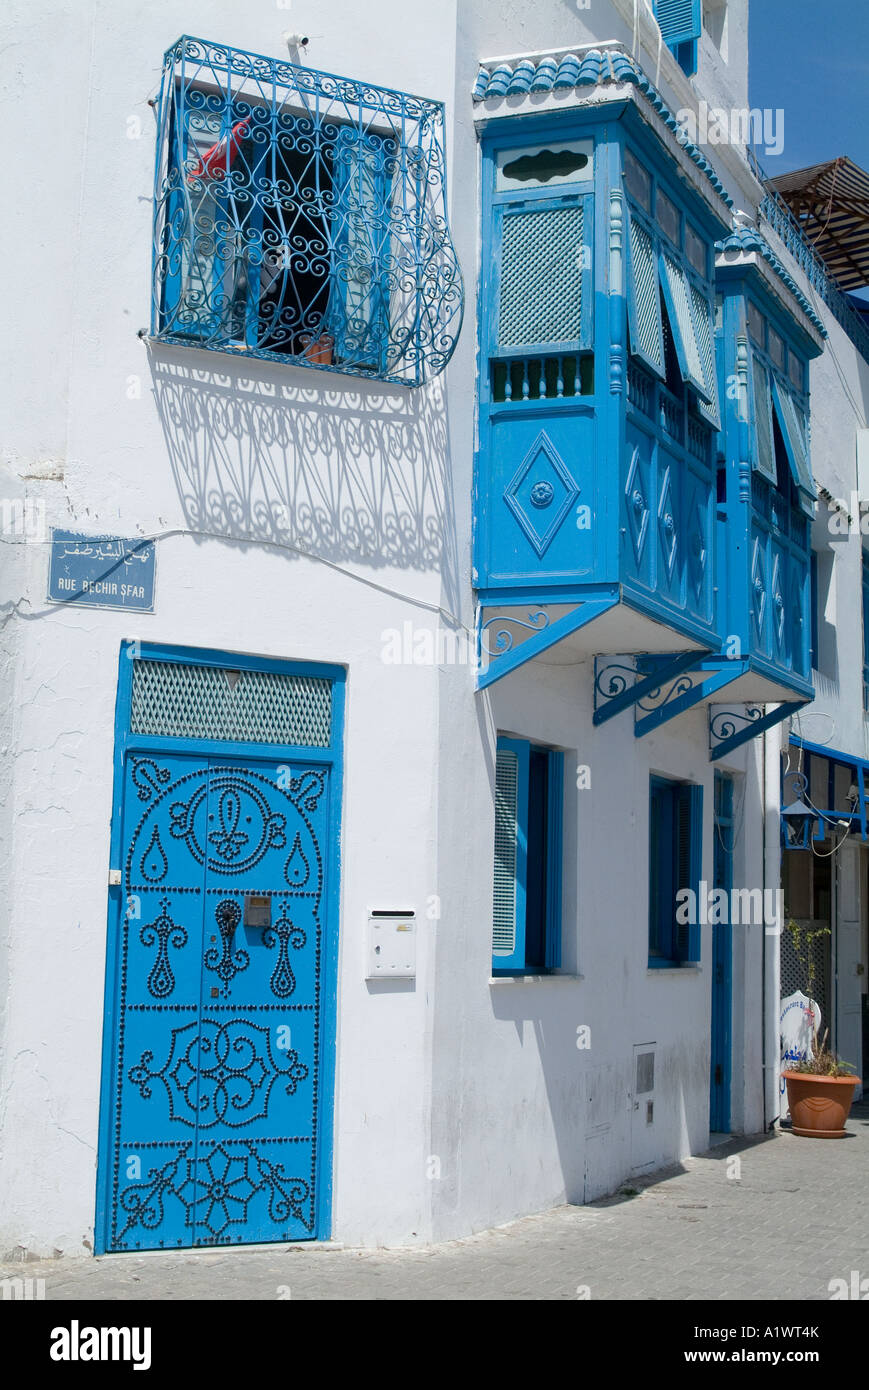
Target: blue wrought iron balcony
x,y
616,515
301,218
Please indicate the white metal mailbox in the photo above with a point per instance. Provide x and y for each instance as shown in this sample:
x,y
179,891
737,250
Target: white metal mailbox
x,y
391,945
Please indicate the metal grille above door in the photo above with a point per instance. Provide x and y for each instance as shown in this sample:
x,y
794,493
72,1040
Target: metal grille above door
x,y
178,700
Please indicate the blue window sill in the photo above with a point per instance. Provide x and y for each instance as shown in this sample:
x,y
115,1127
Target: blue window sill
x,y
674,967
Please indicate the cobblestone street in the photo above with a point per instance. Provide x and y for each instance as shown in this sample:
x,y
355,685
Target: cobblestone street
x,y
796,1217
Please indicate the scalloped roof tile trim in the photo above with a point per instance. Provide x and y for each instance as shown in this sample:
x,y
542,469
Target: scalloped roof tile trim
x,y
747,239
594,68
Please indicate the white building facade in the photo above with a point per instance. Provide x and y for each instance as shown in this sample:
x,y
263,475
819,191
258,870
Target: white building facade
x,y
339,896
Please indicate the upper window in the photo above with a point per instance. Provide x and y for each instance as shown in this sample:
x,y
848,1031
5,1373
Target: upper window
x,y
675,849
529,790
756,324
668,217
680,23
302,217
695,250
776,348
638,181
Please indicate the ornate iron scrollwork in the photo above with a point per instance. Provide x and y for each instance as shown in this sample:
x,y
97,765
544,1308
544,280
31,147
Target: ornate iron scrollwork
x,y
725,724
504,638
302,217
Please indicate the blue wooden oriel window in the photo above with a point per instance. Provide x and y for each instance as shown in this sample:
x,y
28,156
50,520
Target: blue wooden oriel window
x,y
675,850
302,217
529,790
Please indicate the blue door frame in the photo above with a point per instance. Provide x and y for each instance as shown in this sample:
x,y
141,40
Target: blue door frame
x,y
722,962
273,1072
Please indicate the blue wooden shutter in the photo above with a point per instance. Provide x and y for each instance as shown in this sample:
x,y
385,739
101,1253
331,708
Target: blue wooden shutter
x,y
689,850
554,854
683,326
794,433
680,21
511,854
763,453
661,860
644,299
704,333
358,310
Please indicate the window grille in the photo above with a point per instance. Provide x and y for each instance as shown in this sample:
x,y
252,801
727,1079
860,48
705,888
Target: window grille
x,y
302,217
178,700
542,265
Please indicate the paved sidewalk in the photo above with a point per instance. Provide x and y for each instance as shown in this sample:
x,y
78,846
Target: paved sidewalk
x,y
795,1218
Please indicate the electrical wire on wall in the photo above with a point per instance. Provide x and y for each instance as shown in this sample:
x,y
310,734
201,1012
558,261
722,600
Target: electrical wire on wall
x,y
11,608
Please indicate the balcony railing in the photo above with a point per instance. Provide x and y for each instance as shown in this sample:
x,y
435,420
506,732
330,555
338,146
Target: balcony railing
x,y
779,216
301,217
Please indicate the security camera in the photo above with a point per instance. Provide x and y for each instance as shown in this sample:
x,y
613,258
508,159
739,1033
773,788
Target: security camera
x,y
296,40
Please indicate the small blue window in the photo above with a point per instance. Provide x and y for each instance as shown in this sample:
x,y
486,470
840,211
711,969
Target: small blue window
x,y
529,790
680,22
675,850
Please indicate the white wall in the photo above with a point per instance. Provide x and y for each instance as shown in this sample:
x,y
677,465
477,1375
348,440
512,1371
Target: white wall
x,y
485,1077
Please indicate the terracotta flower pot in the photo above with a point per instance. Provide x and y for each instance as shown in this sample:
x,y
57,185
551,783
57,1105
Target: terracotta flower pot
x,y
318,350
819,1105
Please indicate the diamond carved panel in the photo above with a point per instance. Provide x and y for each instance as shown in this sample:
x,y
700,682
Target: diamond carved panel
x,y
637,506
667,525
758,588
697,551
541,494
778,603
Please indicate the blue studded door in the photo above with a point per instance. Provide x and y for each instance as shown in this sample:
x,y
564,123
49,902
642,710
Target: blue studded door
x,y
216,1066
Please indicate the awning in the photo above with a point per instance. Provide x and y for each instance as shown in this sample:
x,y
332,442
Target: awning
x,y
831,204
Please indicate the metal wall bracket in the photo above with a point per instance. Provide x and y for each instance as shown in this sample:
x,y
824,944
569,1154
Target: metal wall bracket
x,y
620,681
701,680
732,725
510,635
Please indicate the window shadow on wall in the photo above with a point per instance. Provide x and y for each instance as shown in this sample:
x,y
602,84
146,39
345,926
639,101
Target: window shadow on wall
x,y
347,470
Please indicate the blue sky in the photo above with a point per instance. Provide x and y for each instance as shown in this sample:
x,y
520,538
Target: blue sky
x,y
811,59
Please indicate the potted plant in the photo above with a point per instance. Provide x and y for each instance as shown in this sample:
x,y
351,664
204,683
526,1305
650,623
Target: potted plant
x,y
820,1091
318,349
